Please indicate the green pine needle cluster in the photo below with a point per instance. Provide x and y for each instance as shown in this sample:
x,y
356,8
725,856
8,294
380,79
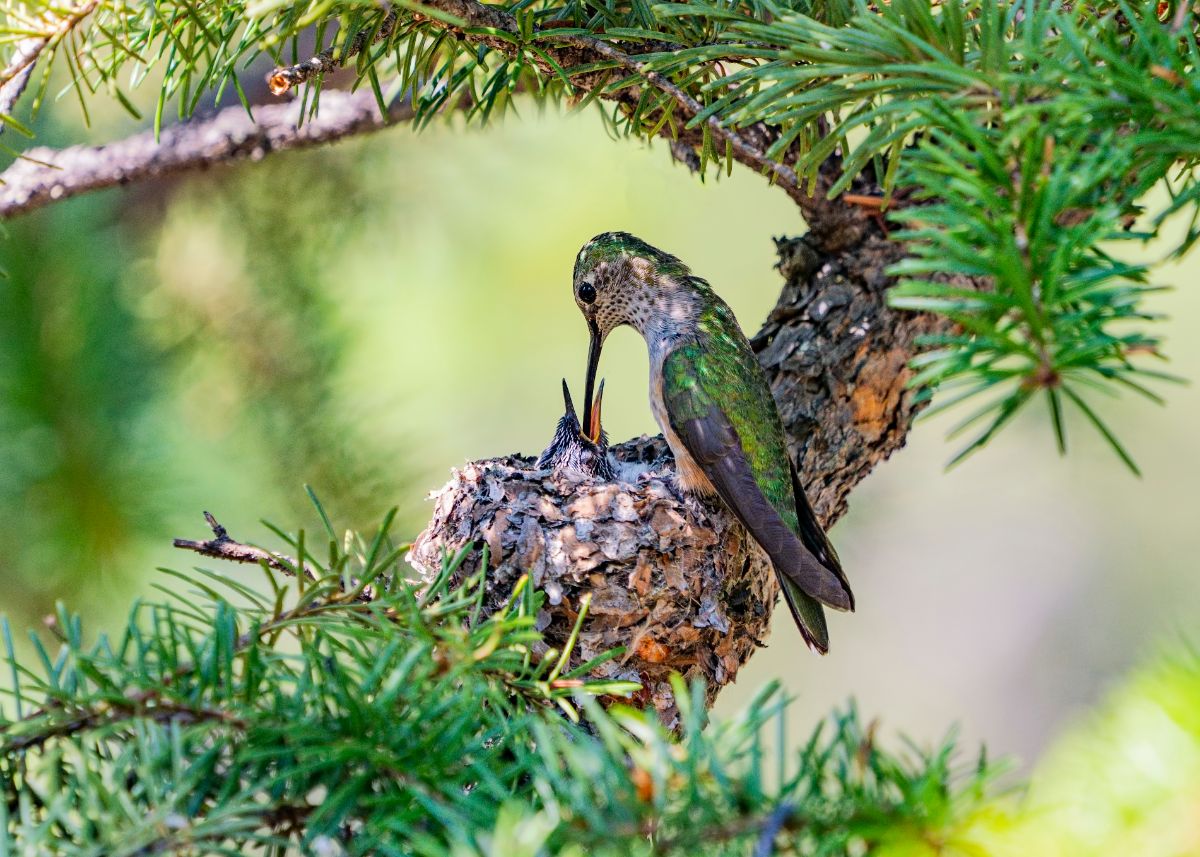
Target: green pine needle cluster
x,y
1033,129
350,712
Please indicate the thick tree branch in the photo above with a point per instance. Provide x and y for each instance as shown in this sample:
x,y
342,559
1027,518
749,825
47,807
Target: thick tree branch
x,y
47,175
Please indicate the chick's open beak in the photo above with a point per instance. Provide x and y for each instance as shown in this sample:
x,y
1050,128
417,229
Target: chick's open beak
x,y
592,431
570,405
591,421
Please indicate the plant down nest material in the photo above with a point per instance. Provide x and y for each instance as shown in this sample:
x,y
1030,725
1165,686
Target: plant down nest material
x,y
674,580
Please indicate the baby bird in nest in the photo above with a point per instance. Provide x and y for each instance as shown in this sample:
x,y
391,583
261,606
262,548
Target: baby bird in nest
x,y
574,453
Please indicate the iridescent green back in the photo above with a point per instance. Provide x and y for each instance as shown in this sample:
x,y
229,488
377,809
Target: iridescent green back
x,y
720,368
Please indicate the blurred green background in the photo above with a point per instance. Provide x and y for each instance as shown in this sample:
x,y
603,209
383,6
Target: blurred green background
x,y
365,317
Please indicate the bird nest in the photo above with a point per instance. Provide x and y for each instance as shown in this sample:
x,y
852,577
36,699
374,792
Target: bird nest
x,y
674,580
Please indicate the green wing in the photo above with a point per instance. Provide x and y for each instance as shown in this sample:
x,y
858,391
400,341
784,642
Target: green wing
x,y
721,408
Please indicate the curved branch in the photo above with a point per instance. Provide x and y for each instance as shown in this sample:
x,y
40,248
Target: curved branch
x,y
47,175
835,224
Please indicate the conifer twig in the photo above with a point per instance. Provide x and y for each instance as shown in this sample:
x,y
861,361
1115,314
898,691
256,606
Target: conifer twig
x,y
284,78
743,150
832,221
30,49
221,546
14,84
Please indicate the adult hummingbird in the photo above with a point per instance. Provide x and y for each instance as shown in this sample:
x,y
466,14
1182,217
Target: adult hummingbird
x,y
715,408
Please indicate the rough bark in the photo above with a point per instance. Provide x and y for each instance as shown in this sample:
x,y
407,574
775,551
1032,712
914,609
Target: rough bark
x,y
837,357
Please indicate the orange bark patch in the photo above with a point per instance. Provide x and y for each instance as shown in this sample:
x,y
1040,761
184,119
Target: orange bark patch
x,y
877,392
649,649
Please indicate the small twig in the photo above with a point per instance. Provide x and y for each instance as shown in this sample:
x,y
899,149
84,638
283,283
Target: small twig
x,y
15,81
282,79
30,49
223,547
864,200
109,713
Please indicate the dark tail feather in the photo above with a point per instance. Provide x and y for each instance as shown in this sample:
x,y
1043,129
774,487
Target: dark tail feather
x,y
807,614
814,538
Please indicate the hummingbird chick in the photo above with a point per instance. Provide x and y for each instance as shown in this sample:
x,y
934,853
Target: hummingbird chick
x,y
575,454
713,403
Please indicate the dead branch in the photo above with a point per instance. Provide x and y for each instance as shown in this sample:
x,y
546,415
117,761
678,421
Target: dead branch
x,y
221,546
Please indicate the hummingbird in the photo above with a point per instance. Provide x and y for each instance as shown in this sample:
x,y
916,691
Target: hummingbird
x,y
711,399
574,453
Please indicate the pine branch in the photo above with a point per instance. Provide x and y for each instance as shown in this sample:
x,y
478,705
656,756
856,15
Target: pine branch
x,y
415,725
747,144
16,76
55,29
44,176
743,151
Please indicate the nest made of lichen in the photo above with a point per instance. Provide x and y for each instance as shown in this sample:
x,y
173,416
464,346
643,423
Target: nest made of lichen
x,y
674,580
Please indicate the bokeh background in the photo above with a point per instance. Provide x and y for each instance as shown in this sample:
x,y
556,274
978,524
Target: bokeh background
x,y
365,317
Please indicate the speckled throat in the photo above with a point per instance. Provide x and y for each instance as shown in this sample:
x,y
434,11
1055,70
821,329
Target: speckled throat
x,y
661,308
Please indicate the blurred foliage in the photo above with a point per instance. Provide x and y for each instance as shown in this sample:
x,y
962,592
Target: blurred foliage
x,y
260,320
1126,780
77,378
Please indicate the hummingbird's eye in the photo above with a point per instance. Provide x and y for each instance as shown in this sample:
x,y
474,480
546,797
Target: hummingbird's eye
x,y
587,293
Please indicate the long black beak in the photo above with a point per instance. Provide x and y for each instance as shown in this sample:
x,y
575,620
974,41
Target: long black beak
x,y
593,363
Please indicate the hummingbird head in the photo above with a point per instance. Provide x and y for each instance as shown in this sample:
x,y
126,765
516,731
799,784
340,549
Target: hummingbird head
x,y
620,279
574,452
